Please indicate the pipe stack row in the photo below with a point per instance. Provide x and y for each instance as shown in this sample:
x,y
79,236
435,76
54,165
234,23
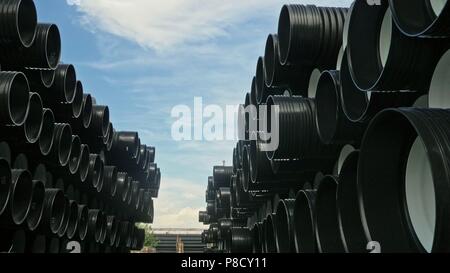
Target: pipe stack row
x,y
69,182
363,161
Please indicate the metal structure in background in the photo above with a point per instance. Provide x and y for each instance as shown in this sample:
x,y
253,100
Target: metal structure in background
x,y
65,173
363,157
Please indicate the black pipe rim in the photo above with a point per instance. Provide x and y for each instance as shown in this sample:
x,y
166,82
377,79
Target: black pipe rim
x,y
84,162
37,206
327,226
46,136
72,225
21,195
83,221
417,18
33,122
56,207
26,22
70,82
327,102
87,110
47,77
65,221
77,104
18,98
407,125
270,235
75,155
5,184
63,133
304,227
53,50
350,224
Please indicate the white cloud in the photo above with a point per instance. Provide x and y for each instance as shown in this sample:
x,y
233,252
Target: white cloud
x,y
165,24
178,205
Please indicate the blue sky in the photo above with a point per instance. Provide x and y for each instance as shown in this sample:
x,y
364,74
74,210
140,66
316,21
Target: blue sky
x,y
143,57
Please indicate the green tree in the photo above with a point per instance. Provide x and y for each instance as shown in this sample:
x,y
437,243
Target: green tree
x,y
150,238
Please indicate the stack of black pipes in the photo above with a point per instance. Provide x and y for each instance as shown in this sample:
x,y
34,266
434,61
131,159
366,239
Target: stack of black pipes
x,y
363,161
69,182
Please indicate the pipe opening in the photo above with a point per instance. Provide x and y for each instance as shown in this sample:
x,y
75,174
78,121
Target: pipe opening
x,y
34,120
304,228
53,46
314,82
26,22
419,17
70,82
327,226
420,194
270,59
73,220
87,110
83,168
18,99
260,81
64,138
439,96
327,108
22,190
354,102
83,221
385,39
48,78
77,104
270,235
57,210
282,236
65,221
46,136
75,155
5,184
284,34
37,205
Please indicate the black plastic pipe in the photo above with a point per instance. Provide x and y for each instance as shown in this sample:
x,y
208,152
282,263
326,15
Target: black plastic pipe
x,y
19,20
95,226
5,184
64,85
424,18
33,122
83,221
21,193
110,137
110,178
241,240
72,226
46,140
77,104
37,206
381,58
349,217
44,52
86,112
410,146
100,120
304,224
47,77
269,234
278,76
122,187
75,155
95,173
222,176
14,98
126,143
37,244
284,222
54,210
112,229
83,168
65,222
327,225
310,35
333,126
62,143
